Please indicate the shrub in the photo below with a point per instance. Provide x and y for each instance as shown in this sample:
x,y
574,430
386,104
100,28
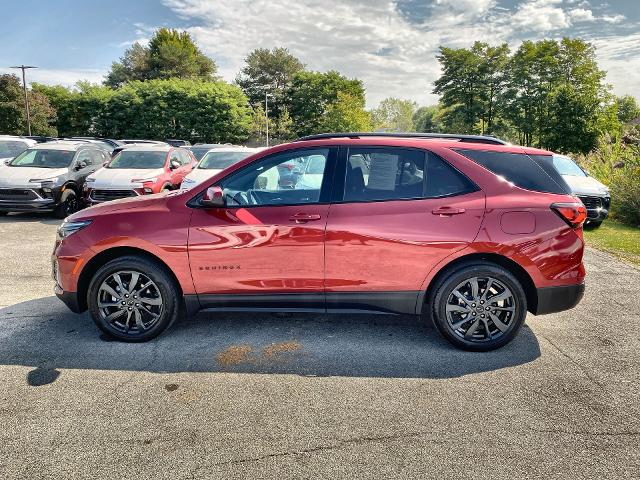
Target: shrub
x,y
617,165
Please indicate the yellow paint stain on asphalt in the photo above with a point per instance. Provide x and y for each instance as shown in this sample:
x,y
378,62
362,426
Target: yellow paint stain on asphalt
x,y
237,354
234,355
276,349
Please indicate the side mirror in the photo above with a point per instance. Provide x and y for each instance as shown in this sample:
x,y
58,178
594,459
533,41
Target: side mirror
x,y
213,198
81,164
173,164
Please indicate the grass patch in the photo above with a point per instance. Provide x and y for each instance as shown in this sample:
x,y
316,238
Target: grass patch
x,y
616,238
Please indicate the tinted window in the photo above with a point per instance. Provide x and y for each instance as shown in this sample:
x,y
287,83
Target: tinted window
x,y
221,160
10,148
443,180
41,158
199,152
260,183
384,174
517,168
136,159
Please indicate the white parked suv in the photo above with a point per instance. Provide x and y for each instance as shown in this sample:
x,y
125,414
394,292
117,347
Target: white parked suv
x,y
214,161
11,147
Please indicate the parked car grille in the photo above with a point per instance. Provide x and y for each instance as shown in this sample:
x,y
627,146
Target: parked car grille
x,y
17,194
592,204
106,195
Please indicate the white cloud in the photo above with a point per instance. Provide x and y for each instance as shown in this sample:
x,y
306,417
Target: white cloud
x,y
541,16
613,18
581,15
67,78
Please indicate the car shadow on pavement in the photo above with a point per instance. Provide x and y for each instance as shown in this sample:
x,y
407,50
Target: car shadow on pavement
x,y
46,218
44,335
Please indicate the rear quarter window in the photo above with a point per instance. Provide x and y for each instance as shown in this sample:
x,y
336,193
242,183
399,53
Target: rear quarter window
x,y
519,169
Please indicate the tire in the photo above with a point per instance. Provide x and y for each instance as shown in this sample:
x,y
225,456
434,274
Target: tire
x,y
474,324
68,204
139,320
592,225
166,188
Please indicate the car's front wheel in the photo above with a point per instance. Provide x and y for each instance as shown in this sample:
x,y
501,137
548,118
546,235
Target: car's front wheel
x,y
68,204
133,299
479,307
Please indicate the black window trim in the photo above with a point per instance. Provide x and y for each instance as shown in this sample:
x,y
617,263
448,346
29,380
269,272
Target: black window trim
x,y
341,172
461,151
326,189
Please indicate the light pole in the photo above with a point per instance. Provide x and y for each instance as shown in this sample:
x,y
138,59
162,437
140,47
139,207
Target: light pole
x,y
26,97
266,113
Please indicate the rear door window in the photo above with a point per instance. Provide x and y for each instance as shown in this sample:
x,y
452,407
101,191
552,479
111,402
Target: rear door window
x,y
389,173
519,169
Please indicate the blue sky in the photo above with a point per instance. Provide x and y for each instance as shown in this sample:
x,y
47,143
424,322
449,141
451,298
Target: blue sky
x,y
390,45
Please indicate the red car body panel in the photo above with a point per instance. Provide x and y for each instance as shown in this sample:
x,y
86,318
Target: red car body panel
x,y
385,246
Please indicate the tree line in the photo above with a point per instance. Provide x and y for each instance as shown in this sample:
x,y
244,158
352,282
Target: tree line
x,y
549,94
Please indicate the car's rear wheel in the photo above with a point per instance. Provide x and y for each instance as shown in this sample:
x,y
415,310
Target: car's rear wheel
x,y
478,307
133,299
68,204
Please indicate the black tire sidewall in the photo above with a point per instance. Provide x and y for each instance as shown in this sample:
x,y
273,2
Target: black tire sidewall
x,y
437,307
155,272
61,209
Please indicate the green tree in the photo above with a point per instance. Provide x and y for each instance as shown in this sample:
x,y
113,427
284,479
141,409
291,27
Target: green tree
x,y
394,115
346,114
170,54
133,65
426,119
312,94
268,71
13,118
628,108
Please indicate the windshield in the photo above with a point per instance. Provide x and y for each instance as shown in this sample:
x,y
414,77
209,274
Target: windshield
x,y
11,148
199,152
316,165
222,160
566,166
42,158
136,159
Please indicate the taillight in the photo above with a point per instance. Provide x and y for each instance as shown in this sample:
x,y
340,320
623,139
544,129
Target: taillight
x,y
573,213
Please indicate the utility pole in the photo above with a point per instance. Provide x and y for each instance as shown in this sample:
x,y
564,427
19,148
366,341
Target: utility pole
x,y
26,97
266,114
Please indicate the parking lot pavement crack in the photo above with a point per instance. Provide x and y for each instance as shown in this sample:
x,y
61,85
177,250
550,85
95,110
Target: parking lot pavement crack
x,y
586,433
334,446
584,370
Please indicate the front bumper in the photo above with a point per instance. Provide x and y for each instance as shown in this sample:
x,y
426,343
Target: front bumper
x,y
558,299
69,298
44,204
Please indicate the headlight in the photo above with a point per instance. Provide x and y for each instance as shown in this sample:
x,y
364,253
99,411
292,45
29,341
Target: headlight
x,y
45,182
68,228
144,180
90,180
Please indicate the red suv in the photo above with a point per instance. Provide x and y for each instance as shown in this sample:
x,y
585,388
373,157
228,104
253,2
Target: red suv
x,y
139,170
464,230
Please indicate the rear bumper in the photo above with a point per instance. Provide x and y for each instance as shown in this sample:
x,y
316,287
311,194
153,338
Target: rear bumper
x,y
557,299
70,299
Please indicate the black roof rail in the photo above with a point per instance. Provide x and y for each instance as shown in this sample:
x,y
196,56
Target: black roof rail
x,y
446,136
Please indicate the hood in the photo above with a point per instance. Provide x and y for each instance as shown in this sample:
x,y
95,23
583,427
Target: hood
x,y
129,203
120,178
585,185
199,175
18,177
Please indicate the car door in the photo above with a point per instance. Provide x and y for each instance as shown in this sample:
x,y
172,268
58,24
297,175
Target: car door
x,y
397,214
83,165
266,246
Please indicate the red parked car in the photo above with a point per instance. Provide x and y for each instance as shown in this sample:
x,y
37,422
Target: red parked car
x,y
464,230
139,170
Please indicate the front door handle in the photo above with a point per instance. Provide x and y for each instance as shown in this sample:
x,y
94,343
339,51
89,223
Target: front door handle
x,y
447,211
304,217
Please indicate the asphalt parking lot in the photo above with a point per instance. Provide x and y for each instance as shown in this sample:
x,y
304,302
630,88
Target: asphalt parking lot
x,y
258,396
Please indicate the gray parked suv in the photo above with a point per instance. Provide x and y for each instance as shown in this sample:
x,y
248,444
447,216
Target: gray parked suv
x,y
49,177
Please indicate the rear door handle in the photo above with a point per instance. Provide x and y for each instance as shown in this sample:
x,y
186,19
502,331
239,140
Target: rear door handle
x,y
447,211
304,217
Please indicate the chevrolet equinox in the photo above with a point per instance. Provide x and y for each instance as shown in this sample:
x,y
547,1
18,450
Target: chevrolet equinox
x,y
464,230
